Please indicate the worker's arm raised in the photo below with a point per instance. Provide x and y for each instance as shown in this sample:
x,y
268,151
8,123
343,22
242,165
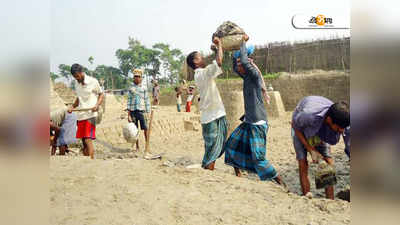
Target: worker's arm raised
x,y
219,53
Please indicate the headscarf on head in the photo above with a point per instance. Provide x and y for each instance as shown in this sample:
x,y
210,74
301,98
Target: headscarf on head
x,y
250,50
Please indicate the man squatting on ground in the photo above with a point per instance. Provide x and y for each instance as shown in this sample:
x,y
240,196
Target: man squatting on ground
x,y
212,118
318,119
246,147
89,96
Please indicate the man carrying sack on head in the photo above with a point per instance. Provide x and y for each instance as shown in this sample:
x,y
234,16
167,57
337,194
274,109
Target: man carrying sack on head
x,y
138,104
246,148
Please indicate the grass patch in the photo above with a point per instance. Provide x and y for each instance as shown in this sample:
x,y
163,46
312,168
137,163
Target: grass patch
x,y
271,76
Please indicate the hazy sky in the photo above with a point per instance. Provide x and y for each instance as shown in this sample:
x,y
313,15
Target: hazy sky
x,y
98,28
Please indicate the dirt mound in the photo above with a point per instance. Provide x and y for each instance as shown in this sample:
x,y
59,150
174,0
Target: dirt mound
x,y
66,93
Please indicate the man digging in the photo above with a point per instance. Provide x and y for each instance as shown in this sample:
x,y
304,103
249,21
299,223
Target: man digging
x,y
319,121
89,96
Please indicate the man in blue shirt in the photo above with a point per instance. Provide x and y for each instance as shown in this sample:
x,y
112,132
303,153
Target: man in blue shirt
x,y
138,103
246,147
317,122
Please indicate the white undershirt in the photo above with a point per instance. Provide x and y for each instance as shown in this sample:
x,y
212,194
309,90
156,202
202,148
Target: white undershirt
x,y
260,122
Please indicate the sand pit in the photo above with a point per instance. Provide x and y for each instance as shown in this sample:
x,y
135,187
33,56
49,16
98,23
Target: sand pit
x,y
120,187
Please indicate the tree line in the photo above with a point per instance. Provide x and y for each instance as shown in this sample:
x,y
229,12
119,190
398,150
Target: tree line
x,y
160,62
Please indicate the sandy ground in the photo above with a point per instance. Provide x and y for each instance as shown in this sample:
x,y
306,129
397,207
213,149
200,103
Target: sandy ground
x,y
120,187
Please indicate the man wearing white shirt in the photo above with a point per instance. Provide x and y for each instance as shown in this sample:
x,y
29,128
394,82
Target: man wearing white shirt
x,y
212,118
89,96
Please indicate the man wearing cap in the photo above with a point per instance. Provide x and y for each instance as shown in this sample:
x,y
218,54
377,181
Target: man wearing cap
x,y
138,104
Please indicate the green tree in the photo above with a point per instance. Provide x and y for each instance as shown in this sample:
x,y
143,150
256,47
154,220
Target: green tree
x,y
136,56
171,60
91,59
53,76
65,70
153,65
112,76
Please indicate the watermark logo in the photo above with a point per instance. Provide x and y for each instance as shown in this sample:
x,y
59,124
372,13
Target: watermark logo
x,y
320,21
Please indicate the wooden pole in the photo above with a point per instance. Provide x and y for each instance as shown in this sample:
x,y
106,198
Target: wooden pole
x,y
147,149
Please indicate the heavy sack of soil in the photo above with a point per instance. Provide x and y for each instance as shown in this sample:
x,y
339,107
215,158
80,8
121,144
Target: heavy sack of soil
x,y
130,132
230,35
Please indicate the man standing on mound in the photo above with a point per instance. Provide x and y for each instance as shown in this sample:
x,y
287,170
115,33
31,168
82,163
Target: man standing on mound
x,y
212,118
247,146
89,96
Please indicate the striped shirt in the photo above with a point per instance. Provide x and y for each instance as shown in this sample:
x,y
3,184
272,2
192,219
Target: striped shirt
x,y
138,98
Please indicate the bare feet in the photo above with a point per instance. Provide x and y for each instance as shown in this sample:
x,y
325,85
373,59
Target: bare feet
x,y
279,180
309,195
237,172
211,166
53,150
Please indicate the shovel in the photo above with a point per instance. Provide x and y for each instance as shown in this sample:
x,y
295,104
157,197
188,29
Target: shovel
x,y
147,154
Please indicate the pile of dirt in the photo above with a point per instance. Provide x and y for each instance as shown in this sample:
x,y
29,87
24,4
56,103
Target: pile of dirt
x,y
66,93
